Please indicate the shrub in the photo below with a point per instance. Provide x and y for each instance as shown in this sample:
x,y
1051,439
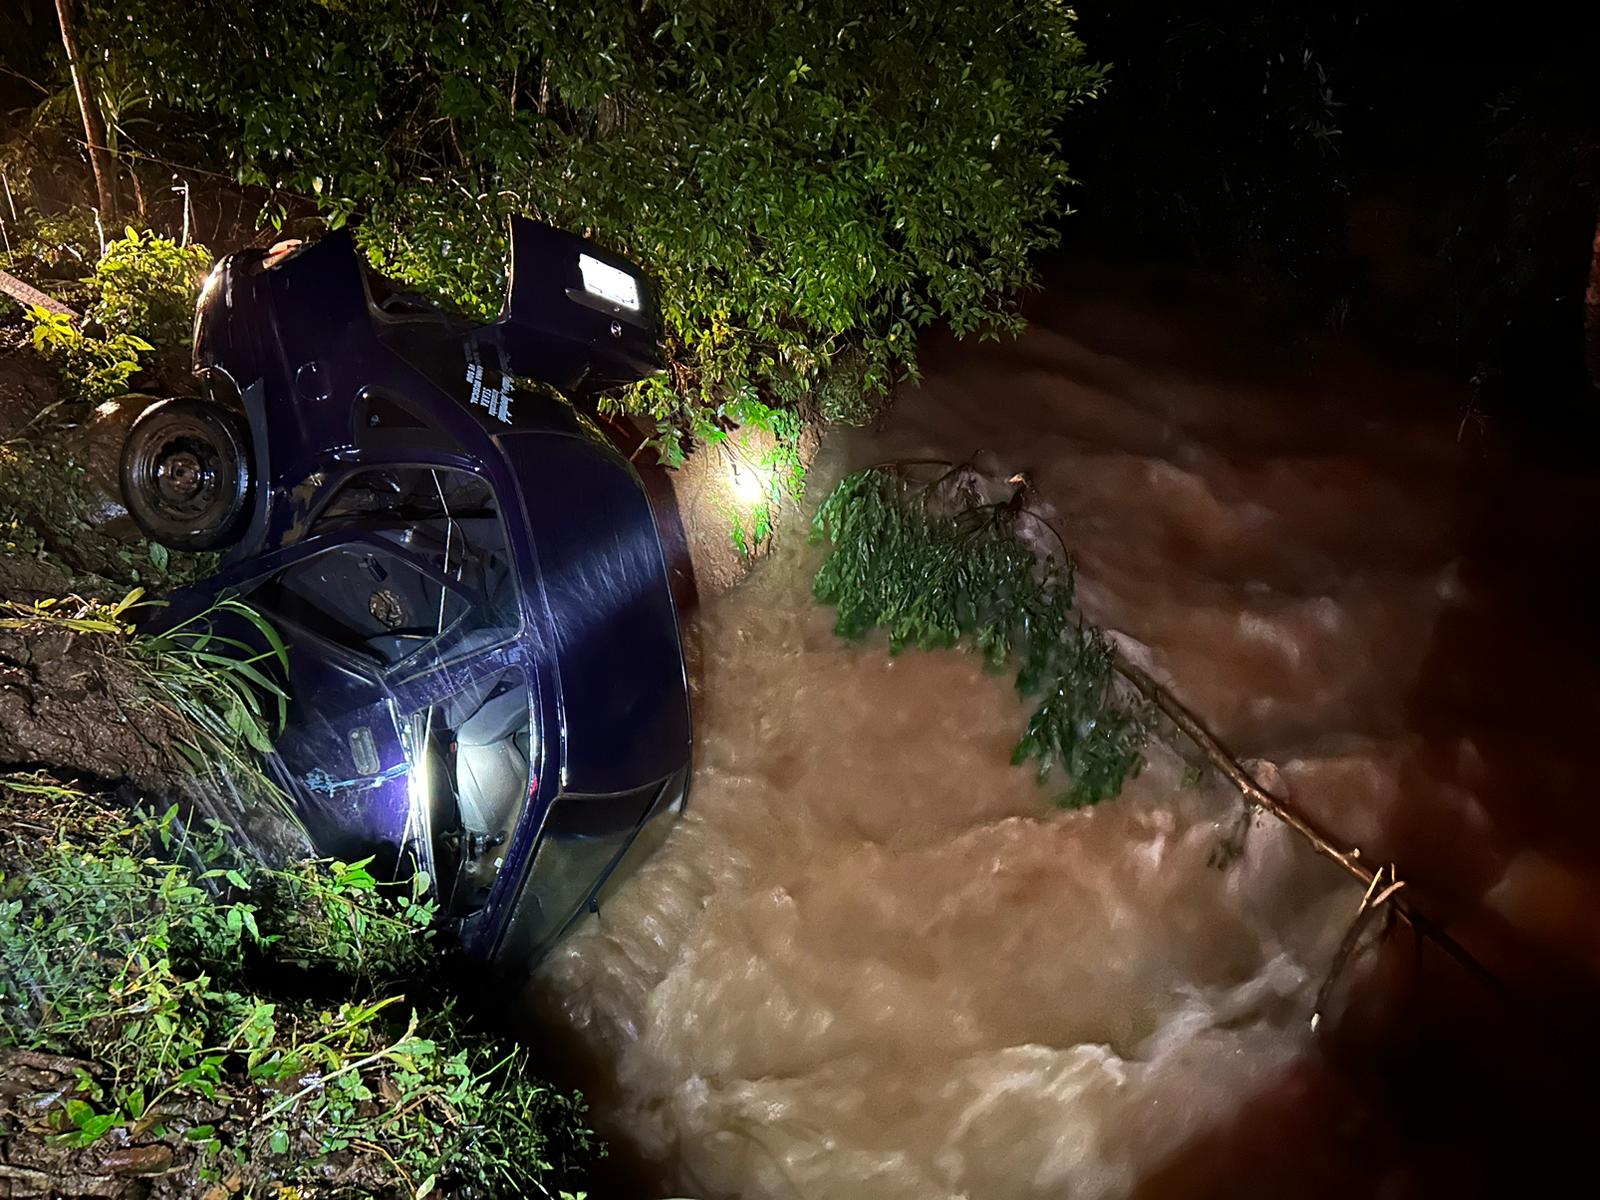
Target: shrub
x,y
140,298
809,183
248,1021
146,286
91,368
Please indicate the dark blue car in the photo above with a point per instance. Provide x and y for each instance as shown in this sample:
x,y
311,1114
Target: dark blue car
x,y
486,677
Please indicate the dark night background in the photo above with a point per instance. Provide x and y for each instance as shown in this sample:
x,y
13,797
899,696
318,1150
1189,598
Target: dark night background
x,y
1423,175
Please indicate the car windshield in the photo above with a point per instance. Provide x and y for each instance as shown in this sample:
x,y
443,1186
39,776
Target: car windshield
x,y
582,840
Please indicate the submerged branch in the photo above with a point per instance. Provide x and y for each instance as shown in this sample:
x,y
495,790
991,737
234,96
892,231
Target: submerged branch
x,y
1382,884
1349,860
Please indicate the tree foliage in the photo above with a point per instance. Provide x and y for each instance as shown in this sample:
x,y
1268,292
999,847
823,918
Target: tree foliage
x,y
811,182
901,558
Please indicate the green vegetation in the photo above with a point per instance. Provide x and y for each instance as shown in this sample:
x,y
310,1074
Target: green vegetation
x,y
811,184
53,246
48,515
247,1024
765,445
220,694
139,297
95,368
137,302
261,1028
934,565
147,285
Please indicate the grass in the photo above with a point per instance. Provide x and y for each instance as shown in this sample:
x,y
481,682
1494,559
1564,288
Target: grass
x,y
222,688
288,1031
252,1022
222,697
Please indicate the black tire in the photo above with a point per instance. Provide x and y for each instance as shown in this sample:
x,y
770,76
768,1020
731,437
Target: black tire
x,y
186,474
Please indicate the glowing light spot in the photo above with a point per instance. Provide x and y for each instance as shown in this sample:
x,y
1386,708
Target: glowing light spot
x,y
750,484
603,280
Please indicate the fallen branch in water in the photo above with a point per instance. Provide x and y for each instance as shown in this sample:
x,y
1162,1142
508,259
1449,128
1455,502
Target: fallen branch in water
x,y
940,564
1385,884
857,521
1349,860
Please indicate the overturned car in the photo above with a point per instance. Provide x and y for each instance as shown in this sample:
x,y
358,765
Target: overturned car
x,y
486,676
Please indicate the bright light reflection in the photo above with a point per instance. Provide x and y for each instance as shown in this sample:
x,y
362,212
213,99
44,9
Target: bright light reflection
x,y
419,822
751,485
603,280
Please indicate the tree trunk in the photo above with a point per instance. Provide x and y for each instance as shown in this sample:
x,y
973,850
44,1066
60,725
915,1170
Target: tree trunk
x,y
94,125
1591,312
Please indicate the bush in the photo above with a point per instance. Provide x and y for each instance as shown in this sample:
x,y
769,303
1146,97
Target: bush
x,y
139,298
91,368
146,285
246,1023
809,183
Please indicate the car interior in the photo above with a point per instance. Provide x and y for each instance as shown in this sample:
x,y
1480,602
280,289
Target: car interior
x,y
371,597
483,737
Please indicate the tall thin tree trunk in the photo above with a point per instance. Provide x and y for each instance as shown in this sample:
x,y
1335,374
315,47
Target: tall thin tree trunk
x,y
94,125
1591,312
138,193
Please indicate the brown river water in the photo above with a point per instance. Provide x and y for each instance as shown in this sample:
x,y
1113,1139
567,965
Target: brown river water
x,y
872,961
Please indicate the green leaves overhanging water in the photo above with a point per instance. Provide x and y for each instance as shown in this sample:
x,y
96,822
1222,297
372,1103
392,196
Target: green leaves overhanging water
x,y
933,574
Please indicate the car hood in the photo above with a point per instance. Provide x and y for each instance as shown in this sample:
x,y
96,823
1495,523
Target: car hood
x,y
608,621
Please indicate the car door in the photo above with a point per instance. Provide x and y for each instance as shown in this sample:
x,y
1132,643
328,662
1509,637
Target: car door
x,y
343,755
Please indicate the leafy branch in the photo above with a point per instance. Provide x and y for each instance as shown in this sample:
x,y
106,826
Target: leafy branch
x,y
933,574
936,564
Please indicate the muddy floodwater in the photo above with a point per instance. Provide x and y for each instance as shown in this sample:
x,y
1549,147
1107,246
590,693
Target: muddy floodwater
x,y
873,962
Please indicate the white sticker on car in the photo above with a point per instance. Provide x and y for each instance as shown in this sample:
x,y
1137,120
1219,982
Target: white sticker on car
x,y
496,399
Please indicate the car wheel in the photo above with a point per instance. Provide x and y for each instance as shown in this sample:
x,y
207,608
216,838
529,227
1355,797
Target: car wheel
x,y
186,474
